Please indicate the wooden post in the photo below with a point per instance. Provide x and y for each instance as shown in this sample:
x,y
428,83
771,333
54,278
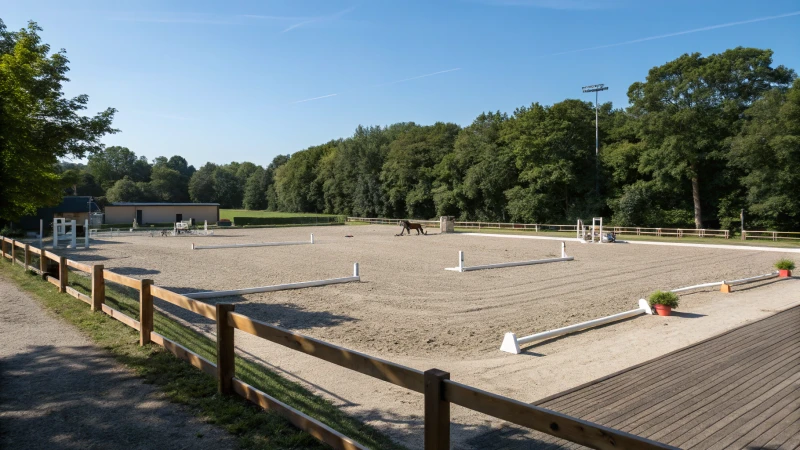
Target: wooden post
x,y
98,288
226,367
437,411
63,272
27,256
42,263
145,312
3,246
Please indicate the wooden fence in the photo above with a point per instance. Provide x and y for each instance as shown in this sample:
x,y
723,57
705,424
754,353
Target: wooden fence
x,y
771,235
438,390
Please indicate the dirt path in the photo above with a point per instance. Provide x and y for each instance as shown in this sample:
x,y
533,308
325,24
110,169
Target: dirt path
x,y
58,391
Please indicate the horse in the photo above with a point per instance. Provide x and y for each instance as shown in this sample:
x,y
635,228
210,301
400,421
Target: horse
x,y
408,226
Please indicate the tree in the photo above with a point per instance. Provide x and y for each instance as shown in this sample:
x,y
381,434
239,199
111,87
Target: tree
x,y
114,163
255,190
38,124
201,185
768,152
228,190
125,190
168,185
689,108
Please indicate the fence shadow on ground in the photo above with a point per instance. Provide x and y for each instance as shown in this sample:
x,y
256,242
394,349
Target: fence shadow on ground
x,y
78,397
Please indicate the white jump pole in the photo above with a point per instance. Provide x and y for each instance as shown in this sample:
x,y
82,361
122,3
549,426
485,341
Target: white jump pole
x,y
511,344
74,237
752,279
41,232
276,287
86,232
312,238
461,267
55,233
355,270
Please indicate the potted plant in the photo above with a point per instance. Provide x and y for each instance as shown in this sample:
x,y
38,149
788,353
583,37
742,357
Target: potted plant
x,y
663,302
785,267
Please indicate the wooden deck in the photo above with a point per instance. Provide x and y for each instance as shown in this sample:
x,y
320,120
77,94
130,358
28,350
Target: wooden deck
x,y
737,390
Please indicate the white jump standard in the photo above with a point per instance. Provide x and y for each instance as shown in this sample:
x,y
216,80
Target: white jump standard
x,y
278,287
259,244
462,268
511,344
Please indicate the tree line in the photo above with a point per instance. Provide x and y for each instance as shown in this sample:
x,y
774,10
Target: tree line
x,y
702,138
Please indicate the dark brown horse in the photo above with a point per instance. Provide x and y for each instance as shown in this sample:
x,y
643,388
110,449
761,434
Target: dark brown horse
x,y
408,226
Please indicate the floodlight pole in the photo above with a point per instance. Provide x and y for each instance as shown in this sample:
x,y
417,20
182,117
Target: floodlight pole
x,y
596,88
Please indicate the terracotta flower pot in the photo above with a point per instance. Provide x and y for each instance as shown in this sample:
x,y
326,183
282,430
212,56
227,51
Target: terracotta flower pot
x,y
784,273
662,310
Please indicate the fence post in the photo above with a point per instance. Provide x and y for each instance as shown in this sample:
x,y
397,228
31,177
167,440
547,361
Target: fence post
x,y
42,263
13,251
27,256
437,411
226,367
63,272
98,288
3,246
145,312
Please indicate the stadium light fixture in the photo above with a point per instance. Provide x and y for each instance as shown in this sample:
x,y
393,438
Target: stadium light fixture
x,y
596,88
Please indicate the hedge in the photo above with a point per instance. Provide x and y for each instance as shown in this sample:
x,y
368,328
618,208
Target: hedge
x,y
244,221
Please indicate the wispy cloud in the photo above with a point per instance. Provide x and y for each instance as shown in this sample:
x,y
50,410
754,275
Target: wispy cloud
x,y
556,4
173,18
319,19
382,84
680,33
417,77
314,98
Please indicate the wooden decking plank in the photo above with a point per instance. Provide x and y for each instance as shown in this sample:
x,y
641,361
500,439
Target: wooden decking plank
x,y
706,437
672,394
762,438
743,386
643,378
769,411
721,406
645,381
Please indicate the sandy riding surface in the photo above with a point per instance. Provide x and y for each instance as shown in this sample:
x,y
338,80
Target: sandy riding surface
x,y
410,310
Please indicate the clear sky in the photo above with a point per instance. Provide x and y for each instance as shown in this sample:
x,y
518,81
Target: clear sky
x,y
247,80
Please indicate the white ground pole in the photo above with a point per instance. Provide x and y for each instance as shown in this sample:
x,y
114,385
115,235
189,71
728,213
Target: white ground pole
x,y
260,244
462,268
729,283
278,287
599,221
55,233
86,232
511,344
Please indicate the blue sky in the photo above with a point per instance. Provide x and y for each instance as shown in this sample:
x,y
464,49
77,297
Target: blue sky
x,y
247,80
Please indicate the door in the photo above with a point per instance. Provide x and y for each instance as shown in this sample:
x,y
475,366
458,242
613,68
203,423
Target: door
x,y
178,217
139,217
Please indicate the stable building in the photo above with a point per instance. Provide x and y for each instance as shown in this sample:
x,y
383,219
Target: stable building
x,y
160,213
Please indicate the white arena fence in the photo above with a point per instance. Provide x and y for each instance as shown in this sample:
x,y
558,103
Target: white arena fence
x,y
462,268
511,344
542,227
278,287
771,235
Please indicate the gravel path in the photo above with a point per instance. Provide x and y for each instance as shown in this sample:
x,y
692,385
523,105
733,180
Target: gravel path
x,y
61,392
410,310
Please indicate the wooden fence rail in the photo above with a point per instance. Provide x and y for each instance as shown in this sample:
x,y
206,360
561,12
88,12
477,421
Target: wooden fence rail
x,y
434,384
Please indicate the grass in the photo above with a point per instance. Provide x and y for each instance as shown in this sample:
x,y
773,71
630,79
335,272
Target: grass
x,y
182,383
231,213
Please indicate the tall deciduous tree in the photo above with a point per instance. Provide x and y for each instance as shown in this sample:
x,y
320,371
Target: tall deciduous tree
x,y
689,108
38,124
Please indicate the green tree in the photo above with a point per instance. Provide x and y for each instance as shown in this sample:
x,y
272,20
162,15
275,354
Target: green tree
x,y
38,124
768,152
114,163
255,190
125,190
168,185
228,191
689,108
201,185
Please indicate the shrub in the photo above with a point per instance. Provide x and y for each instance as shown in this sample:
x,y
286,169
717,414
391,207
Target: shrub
x,y
784,264
244,221
10,231
664,298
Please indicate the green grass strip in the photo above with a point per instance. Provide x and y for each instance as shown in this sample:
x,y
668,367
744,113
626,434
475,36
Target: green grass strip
x,y
182,383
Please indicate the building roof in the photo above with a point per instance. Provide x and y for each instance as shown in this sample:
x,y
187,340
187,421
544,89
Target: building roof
x,y
161,204
74,203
